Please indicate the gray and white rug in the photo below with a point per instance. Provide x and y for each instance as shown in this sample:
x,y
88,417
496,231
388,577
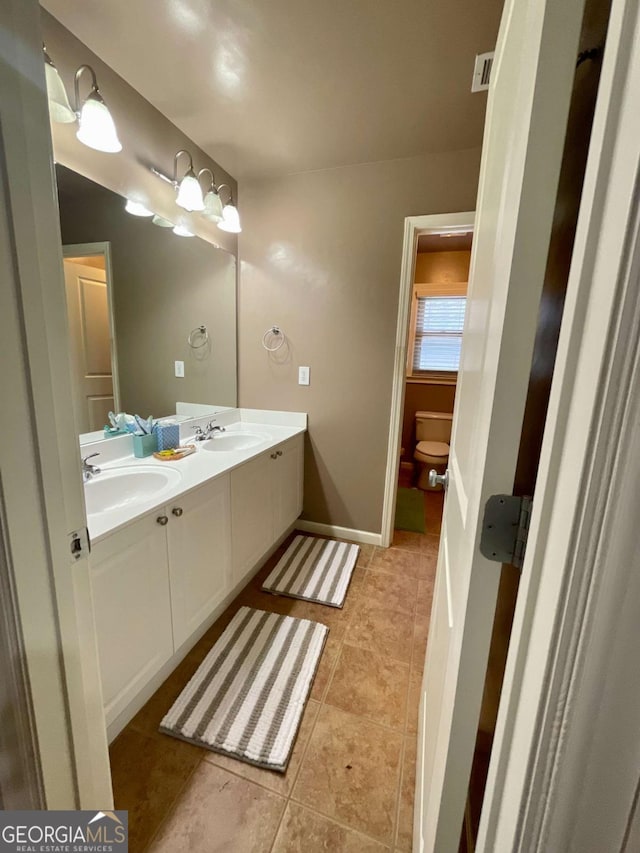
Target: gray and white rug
x,y
247,697
315,570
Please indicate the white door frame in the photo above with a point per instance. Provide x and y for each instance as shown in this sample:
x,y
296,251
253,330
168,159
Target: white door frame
x,y
40,474
88,250
564,767
414,226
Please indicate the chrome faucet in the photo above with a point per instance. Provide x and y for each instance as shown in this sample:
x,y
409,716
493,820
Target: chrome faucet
x,y
207,432
88,470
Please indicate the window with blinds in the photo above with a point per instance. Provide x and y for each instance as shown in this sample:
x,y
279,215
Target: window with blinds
x,y
438,333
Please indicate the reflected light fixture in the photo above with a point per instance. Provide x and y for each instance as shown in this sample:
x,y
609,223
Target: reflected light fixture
x,y
182,231
96,127
212,202
189,190
162,222
59,106
230,217
137,209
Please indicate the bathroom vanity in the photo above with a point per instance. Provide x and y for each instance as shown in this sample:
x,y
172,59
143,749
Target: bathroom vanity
x,y
173,542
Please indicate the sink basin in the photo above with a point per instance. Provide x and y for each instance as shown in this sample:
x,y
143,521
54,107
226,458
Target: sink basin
x,y
227,441
123,487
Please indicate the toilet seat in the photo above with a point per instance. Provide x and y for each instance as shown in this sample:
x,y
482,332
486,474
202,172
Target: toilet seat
x,y
432,452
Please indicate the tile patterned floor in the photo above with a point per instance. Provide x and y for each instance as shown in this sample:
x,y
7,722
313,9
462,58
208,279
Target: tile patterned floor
x,y
350,782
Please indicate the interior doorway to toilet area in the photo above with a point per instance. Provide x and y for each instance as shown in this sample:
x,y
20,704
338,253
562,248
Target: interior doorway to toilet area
x,y
432,311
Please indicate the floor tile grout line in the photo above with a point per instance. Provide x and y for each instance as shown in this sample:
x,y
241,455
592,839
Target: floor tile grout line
x,y
341,823
168,812
396,828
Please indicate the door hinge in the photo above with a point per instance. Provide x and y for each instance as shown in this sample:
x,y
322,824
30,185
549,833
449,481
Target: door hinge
x,y
505,529
79,543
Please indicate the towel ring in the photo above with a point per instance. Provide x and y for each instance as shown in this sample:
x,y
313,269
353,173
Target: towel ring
x,y
277,332
201,331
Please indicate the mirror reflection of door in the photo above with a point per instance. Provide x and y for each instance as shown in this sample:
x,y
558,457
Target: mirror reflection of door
x,y
88,310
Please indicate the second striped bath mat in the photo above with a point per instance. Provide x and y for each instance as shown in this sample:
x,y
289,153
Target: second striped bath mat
x,y
316,570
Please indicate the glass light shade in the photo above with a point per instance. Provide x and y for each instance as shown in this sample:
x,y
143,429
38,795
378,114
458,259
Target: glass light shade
x,y
190,193
97,129
59,106
181,231
212,206
162,222
137,209
230,219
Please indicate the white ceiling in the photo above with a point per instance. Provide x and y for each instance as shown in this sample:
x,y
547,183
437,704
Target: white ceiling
x,y
279,86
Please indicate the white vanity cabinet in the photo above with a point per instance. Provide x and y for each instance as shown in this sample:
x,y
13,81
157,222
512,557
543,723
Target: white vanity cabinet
x,y
287,484
132,606
199,541
158,581
266,498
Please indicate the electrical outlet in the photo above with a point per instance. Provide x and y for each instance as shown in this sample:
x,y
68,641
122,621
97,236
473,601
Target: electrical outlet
x,y
180,369
304,375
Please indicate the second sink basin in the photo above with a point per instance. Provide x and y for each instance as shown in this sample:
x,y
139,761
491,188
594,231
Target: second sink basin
x,y
234,441
121,487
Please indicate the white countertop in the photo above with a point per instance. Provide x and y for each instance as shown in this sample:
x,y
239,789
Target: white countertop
x,y
194,470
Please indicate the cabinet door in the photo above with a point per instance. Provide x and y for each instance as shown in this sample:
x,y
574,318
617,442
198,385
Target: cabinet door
x,y
251,513
199,537
131,601
287,484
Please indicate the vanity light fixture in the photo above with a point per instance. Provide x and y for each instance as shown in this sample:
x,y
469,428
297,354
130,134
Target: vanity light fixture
x,y
230,217
162,222
136,208
59,106
182,231
189,190
212,202
96,127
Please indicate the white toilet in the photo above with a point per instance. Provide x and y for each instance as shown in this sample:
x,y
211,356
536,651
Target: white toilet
x,y
433,434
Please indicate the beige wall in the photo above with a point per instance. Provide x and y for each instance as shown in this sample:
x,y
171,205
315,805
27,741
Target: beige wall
x,y
320,256
148,138
163,286
442,267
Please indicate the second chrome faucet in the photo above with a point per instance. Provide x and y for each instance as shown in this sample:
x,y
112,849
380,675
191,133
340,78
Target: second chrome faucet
x,y
208,431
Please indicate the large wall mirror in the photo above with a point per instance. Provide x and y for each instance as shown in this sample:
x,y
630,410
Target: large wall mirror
x,y
137,296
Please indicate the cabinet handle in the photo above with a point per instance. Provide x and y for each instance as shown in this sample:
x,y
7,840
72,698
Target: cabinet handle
x,y
278,453
177,511
162,519
274,455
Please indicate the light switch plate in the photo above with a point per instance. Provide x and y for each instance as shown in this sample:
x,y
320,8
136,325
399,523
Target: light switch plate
x,y
180,369
304,375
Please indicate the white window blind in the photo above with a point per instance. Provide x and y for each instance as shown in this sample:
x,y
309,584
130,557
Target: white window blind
x,y
439,325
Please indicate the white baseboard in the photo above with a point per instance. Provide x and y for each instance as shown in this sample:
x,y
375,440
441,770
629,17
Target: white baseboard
x,y
365,537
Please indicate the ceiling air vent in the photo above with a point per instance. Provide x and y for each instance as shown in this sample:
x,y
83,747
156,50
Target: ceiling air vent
x,y
482,71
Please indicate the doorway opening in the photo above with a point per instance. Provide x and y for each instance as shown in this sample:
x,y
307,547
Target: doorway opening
x,y
433,284
90,314
436,320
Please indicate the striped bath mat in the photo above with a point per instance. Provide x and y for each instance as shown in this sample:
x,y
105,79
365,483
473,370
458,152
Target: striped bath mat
x,y
247,697
314,570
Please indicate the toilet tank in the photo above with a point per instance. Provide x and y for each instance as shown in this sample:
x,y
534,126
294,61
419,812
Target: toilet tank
x,y
433,426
